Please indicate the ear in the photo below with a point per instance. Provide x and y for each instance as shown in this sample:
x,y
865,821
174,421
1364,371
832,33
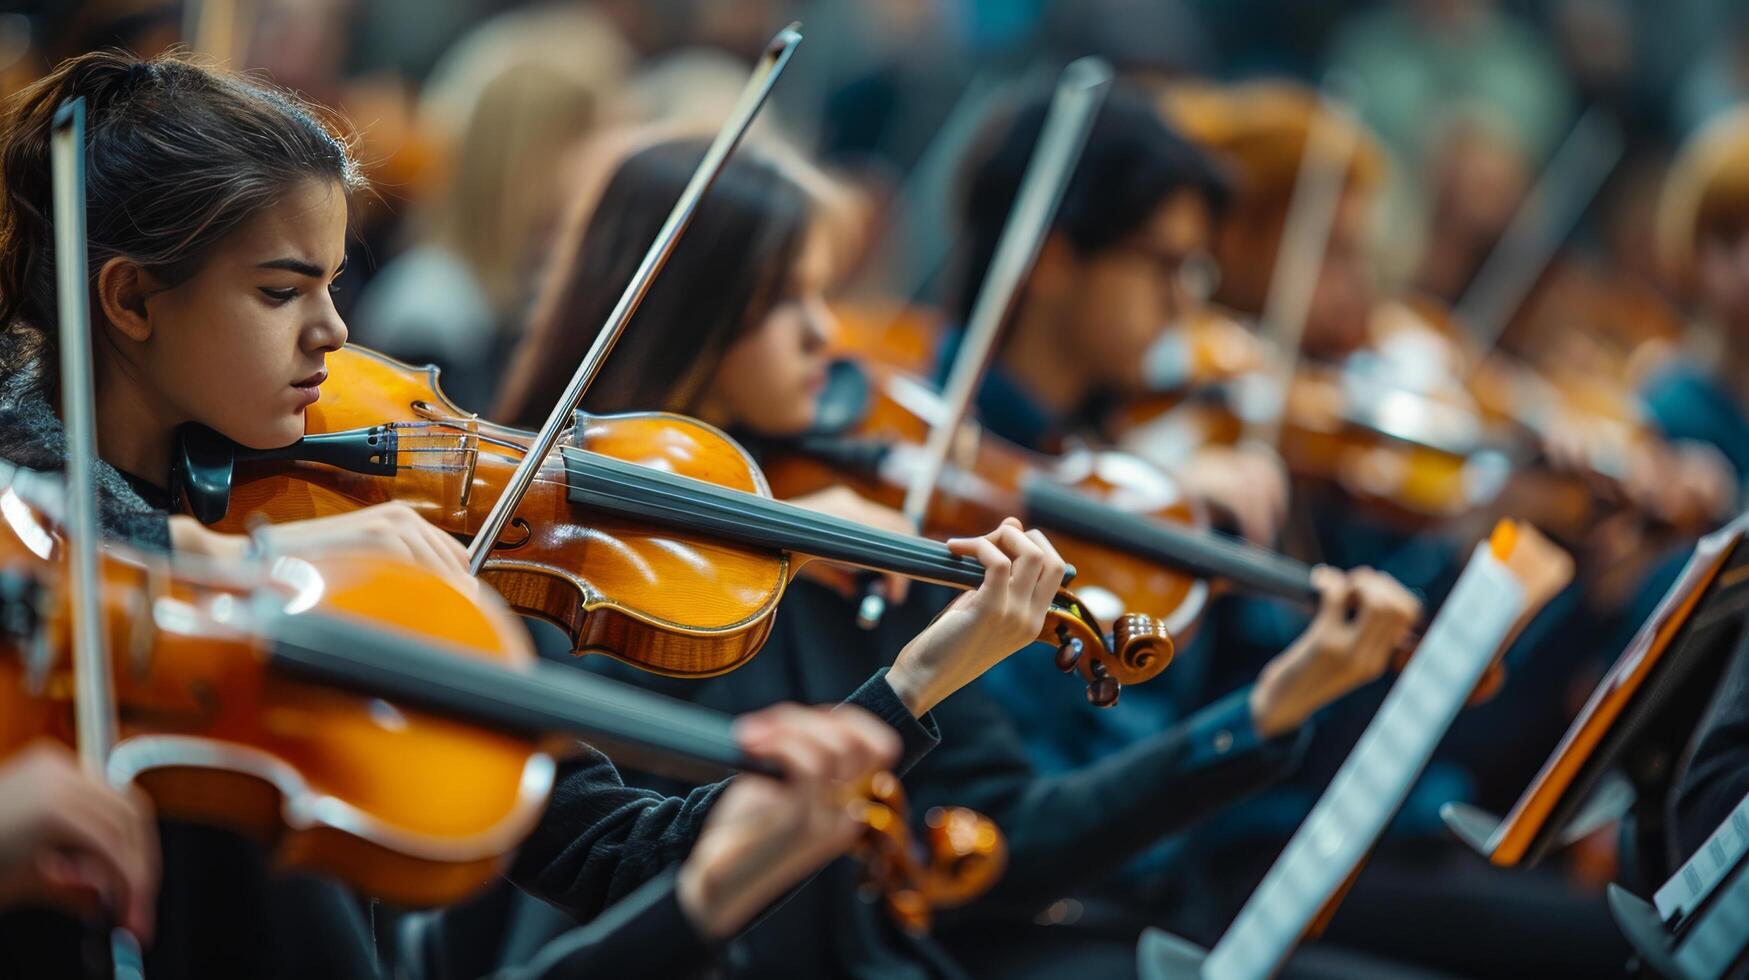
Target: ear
x,y
122,288
1056,268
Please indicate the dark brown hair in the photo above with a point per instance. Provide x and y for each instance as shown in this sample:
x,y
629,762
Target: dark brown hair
x,y
177,156
728,272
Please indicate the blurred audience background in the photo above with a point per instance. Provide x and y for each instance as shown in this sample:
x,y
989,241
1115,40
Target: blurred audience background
x,y
476,115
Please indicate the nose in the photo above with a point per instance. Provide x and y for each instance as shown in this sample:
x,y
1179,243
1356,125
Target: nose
x,y
327,333
817,325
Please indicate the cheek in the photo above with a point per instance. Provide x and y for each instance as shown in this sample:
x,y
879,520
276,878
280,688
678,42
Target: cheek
x,y
765,380
226,363
1131,312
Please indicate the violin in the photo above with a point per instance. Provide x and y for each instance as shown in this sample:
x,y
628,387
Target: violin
x,y
651,538
905,337
1418,456
1136,541
1573,425
366,720
871,425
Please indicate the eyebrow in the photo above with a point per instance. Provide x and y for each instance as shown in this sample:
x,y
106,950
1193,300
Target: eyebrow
x,y
301,267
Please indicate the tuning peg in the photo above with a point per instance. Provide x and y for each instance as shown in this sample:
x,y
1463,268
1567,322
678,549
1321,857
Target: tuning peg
x,y
1102,693
1068,655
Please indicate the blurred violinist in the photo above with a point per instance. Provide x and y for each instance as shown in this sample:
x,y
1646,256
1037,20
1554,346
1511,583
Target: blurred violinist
x,y
1260,130
1703,239
735,331
1127,258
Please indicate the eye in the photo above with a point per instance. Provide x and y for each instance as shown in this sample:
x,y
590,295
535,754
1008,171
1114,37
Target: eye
x,y
334,288
281,294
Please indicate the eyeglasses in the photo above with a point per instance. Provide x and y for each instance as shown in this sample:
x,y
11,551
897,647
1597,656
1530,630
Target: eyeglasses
x,y
1194,276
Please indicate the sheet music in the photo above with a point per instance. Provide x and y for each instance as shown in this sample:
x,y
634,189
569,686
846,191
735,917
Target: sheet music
x,y
1702,872
1706,551
1700,564
1718,938
1371,785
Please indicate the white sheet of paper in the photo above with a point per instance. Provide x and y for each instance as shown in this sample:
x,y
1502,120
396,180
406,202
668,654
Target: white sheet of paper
x,y
1377,775
1703,871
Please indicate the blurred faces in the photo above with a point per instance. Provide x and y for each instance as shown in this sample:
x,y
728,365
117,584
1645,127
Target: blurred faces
x,y
1112,305
1724,282
771,377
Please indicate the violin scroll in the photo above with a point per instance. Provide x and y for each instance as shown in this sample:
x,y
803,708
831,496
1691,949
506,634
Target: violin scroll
x,y
963,856
1137,650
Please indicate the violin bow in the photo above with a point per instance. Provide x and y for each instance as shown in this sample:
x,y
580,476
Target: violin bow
x,y
94,702
1563,191
1331,141
1080,92
753,96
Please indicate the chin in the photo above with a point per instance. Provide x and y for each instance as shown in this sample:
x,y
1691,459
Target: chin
x,y
281,433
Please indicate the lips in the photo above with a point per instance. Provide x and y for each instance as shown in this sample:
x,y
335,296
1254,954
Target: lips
x,y
309,390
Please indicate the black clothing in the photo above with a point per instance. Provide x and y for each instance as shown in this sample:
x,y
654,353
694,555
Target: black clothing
x,y
31,435
600,838
1063,832
644,934
1717,776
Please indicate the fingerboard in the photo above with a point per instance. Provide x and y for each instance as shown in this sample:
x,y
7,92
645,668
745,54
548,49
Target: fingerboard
x,y
1688,889
1347,820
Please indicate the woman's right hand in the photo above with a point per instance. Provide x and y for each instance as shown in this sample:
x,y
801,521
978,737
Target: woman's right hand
x,y
763,836
71,841
391,528
1022,573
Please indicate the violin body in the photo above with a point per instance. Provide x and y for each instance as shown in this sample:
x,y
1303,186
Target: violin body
x,y
651,593
904,337
401,804
219,727
989,479
709,602
1410,478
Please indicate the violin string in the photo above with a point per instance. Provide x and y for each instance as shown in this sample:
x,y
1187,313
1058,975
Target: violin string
x,y
805,526
798,521
813,528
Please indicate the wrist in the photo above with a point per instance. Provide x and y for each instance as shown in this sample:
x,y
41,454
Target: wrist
x,y
913,691
1273,712
695,894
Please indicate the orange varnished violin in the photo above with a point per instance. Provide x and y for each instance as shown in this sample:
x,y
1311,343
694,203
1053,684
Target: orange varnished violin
x,y
872,424
366,720
648,537
1135,540
1413,458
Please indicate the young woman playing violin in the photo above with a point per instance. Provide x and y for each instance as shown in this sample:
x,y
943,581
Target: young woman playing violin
x,y
734,332
218,216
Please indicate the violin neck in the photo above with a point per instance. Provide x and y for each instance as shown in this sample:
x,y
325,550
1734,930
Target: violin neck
x,y
637,728
633,492
1204,554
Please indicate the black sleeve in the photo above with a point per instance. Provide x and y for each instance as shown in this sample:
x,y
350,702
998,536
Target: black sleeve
x,y
644,934
1717,776
919,736
600,838
1066,830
